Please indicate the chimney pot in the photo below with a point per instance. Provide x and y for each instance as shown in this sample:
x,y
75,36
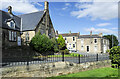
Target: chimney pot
x,y
46,5
70,32
9,9
90,33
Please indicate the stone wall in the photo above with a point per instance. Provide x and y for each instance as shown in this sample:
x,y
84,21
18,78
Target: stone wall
x,y
51,69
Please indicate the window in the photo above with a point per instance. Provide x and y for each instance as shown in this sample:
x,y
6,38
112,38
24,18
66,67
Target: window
x,y
82,48
12,36
15,36
27,37
73,38
65,38
82,41
73,45
95,40
95,48
11,24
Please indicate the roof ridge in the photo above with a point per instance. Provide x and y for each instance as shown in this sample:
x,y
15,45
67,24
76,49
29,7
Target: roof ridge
x,y
30,13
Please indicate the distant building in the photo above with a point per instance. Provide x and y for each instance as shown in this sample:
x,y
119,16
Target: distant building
x,y
70,40
93,43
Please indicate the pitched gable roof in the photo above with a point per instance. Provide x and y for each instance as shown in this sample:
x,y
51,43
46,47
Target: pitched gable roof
x,y
4,16
31,20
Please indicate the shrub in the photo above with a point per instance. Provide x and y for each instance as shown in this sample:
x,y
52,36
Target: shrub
x,y
66,51
115,54
55,45
61,43
41,43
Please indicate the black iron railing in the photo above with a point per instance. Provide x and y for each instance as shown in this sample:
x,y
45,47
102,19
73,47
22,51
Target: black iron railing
x,y
17,61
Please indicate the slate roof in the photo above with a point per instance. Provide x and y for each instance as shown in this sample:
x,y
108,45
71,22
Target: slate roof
x,y
68,34
31,20
4,16
89,36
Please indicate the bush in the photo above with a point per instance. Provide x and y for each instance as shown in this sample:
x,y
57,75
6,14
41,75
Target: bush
x,y
66,51
61,43
115,54
41,43
55,45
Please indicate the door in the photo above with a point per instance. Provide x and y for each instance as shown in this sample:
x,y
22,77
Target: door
x,y
88,49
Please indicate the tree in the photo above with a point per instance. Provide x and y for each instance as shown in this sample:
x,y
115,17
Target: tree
x,y
41,43
55,45
61,43
115,54
110,37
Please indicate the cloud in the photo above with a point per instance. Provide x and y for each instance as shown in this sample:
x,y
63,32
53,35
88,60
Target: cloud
x,y
20,6
96,10
103,24
99,30
66,6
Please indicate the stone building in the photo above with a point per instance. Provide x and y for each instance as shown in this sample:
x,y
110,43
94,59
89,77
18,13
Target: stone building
x,y
92,43
35,22
25,26
10,28
70,40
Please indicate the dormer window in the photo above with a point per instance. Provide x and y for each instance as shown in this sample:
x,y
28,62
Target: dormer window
x,y
11,24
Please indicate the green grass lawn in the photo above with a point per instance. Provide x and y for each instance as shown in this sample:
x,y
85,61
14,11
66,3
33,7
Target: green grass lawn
x,y
102,72
66,55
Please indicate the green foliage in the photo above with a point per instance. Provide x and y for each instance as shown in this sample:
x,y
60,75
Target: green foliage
x,y
41,43
55,45
115,54
61,43
115,41
66,51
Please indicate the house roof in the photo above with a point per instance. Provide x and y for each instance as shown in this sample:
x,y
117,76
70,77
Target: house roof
x,y
31,20
5,16
68,34
90,36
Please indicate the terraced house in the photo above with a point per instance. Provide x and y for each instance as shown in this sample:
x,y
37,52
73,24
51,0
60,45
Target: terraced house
x,y
92,43
25,26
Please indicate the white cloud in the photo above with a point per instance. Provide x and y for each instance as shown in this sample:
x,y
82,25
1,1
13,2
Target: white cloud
x,y
103,24
97,10
99,30
20,6
64,8
67,4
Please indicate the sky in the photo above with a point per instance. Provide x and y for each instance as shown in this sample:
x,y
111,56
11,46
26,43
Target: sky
x,y
80,16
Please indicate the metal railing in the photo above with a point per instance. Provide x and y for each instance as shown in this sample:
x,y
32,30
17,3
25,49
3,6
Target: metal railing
x,y
17,61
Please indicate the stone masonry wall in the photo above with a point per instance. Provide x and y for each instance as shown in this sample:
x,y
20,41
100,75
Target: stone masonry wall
x,y
51,69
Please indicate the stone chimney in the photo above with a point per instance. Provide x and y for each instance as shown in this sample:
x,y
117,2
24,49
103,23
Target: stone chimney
x,y
100,34
90,33
70,32
10,10
56,32
46,4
